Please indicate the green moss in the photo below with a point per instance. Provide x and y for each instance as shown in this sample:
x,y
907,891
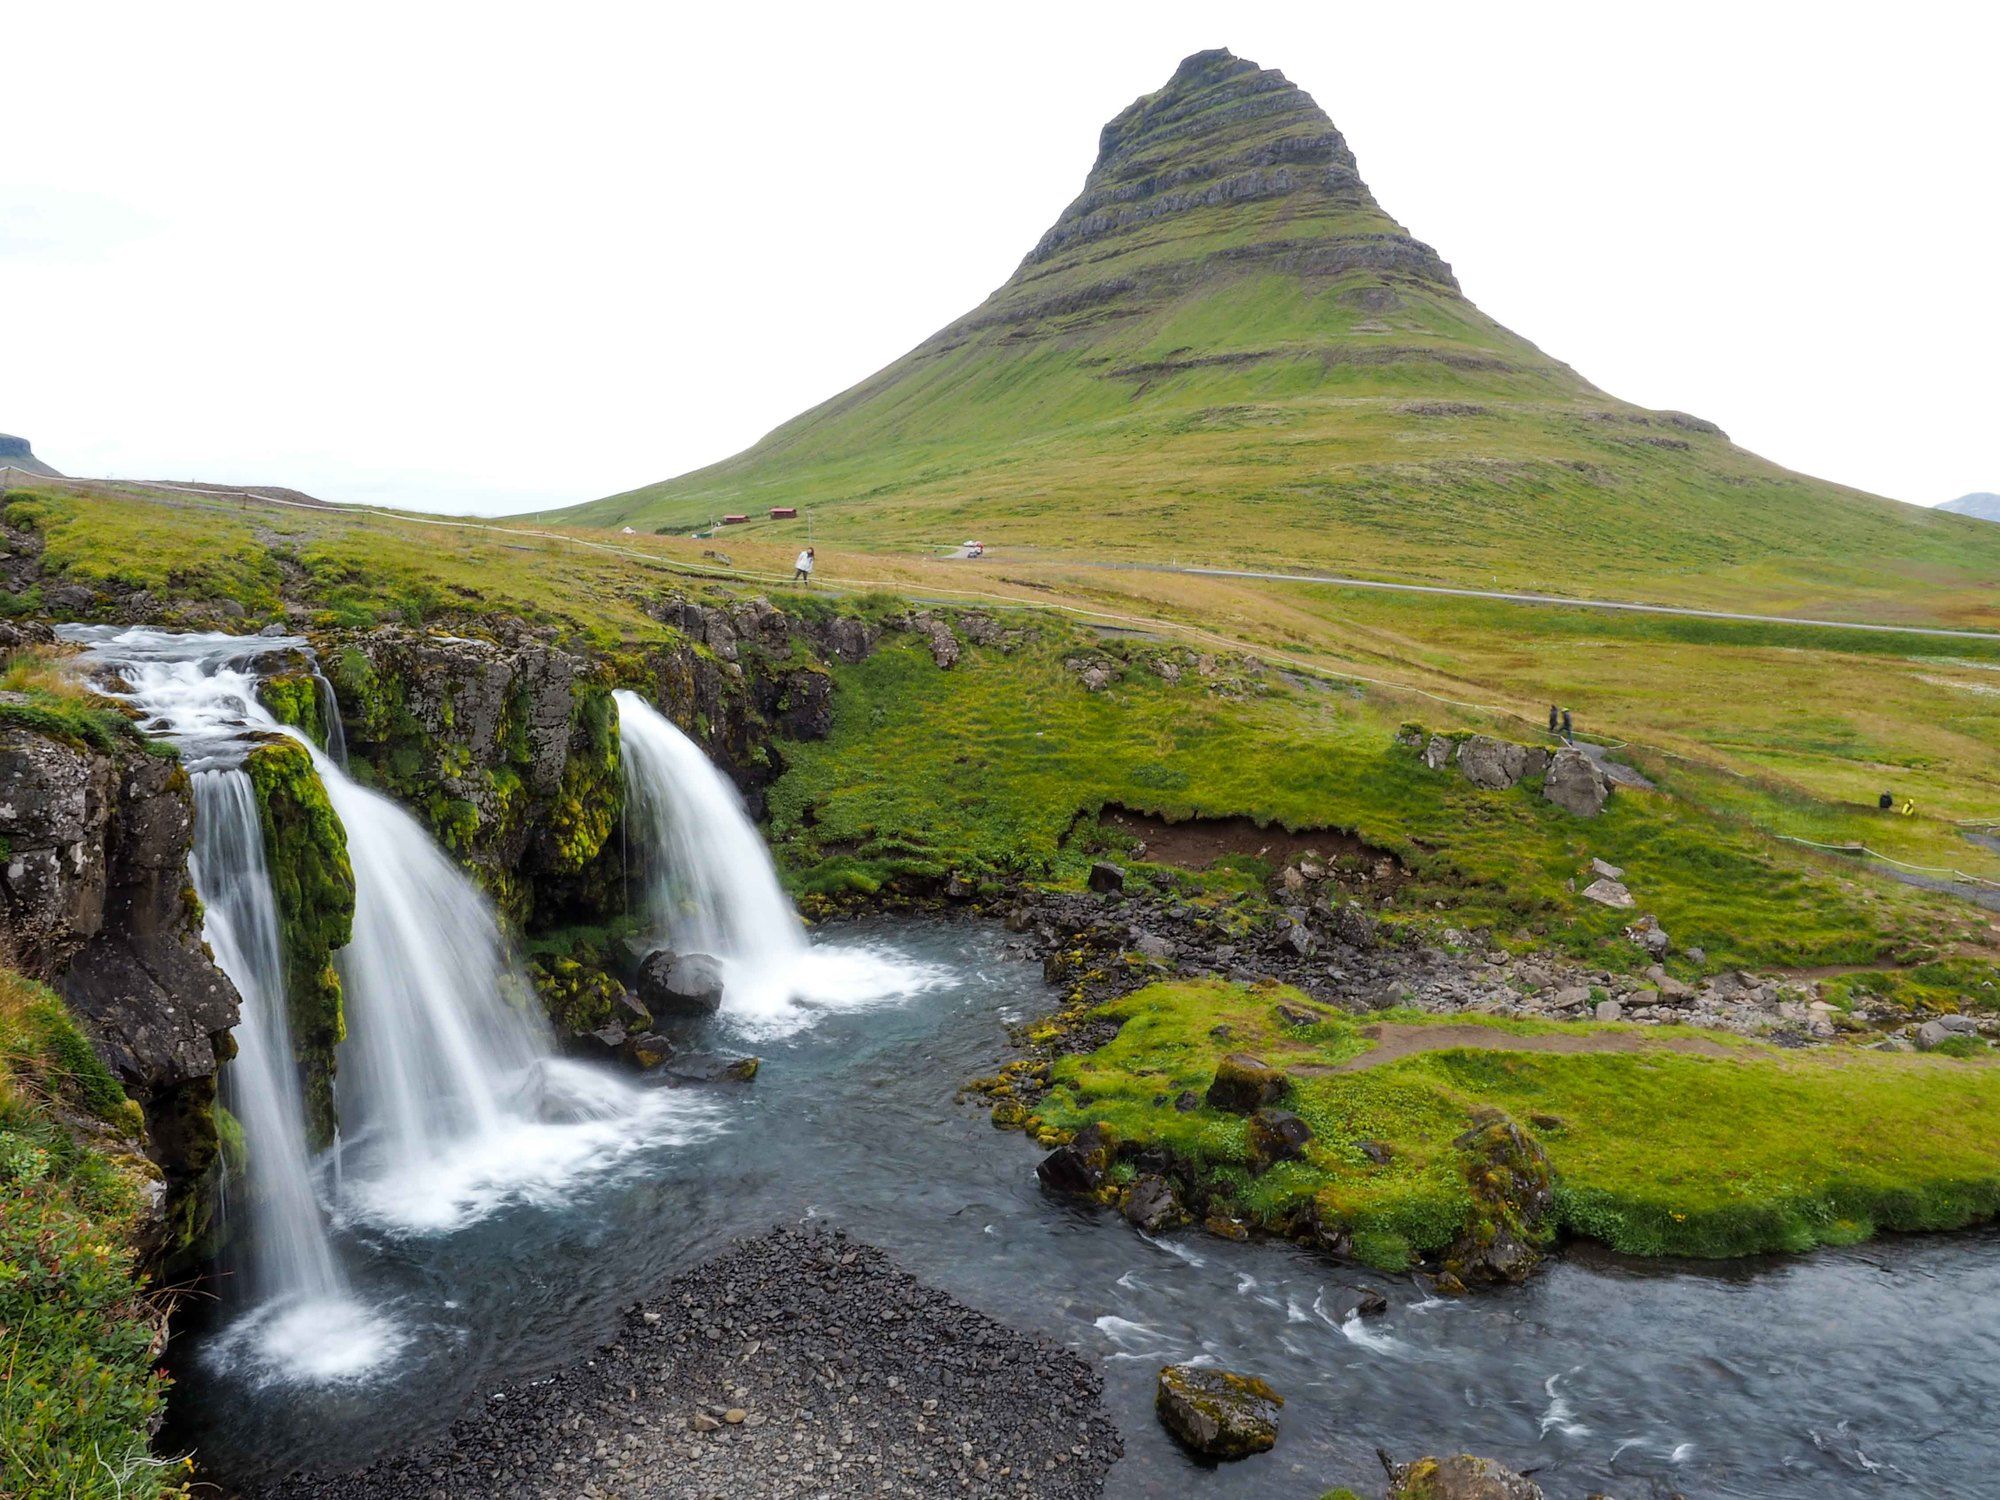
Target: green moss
x,y
577,997
293,698
587,805
1659,1152
306,849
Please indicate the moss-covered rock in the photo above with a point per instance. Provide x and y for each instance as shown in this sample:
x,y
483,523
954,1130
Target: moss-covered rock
x,y
1459,1477
1217,1414
1244,1084
306,849
293,698
1513,1217
578,997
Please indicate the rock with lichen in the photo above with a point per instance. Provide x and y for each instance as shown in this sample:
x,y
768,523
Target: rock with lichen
x,y
1244,1084
1217,1414
1512,1221
1459,1477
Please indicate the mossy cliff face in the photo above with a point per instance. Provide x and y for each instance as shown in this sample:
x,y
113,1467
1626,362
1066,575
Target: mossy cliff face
x,y
293,698
313,883
506,744
95,903
505,747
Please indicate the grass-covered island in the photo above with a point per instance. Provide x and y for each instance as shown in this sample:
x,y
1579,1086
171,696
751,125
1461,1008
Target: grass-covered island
x,y
1421,1133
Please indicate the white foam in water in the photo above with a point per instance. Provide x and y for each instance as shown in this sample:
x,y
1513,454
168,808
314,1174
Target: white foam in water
x,y
1560,1416
710,887
314,1340
1353,1329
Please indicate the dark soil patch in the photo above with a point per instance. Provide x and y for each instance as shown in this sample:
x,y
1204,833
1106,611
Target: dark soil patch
x,y
1197,843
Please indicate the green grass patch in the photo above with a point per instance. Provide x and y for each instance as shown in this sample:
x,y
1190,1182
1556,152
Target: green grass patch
x,y
1656,1152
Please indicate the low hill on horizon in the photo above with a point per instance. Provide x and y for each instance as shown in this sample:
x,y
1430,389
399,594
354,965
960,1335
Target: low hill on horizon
x,y
16,453
1981,503
1226,352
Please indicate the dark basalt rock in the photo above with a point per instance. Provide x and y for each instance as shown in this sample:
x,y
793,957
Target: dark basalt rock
x,y
95,901
1151,1205
1106,878
1275,1135
1245,1084
683,984
1216,1414
1080,1165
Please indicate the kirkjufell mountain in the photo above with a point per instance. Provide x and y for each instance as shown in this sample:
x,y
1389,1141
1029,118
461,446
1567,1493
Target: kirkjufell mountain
x,y
1225,350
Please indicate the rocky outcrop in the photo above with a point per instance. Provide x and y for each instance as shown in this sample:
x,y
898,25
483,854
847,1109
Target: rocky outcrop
x,y
95,902
685,984
1216,1414
1244,1084
16,454
1575,784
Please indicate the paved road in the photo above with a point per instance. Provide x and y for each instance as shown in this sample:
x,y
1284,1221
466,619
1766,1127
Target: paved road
x,y
1554,599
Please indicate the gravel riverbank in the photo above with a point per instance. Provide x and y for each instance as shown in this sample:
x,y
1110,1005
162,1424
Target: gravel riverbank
x,y
798,1364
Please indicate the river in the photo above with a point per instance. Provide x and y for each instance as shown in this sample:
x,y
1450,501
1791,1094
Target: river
x,y
1863,1372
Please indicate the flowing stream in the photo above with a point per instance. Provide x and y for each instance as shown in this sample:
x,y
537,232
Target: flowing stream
x,y
497,1208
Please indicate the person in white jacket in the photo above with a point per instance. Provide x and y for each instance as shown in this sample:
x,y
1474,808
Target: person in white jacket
x,y
802,570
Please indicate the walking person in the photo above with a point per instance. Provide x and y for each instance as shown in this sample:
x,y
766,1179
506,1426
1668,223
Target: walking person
x,y
802,570
1555,719
1569,737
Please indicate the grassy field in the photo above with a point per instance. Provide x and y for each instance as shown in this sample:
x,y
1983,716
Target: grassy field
x,y
1280,377
1751,730
1655,1152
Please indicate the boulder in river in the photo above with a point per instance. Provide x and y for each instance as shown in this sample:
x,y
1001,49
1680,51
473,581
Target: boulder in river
x,y
1459,1477
1275,1135
1079,1165
1217,1414
1245,1084
680,984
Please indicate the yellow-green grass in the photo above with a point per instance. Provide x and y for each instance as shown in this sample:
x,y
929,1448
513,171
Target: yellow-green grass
x,y
77,1385
1655,1152
986,768
1811,717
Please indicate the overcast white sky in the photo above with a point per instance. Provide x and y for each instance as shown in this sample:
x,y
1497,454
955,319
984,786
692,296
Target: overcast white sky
x,y
487,257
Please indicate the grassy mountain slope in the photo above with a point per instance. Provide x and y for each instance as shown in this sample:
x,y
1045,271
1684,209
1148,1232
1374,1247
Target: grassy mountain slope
x,y
1226,351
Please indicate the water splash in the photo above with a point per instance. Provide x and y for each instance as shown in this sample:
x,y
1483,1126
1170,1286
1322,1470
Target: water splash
x,y
707,885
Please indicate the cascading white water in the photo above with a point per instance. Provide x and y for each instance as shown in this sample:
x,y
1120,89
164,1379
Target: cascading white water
x,y
450,1099
708,886
260,1087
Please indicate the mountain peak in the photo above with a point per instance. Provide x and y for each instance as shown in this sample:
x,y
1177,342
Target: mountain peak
x,y
1226,141
16,454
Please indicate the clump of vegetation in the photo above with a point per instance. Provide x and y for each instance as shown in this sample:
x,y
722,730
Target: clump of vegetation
x,y
52,700
306,849
293,698
1734,1149
80,1393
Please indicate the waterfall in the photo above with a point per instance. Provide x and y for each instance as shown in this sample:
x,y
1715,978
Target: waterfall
x,y
707,885
260,1087
451,1101
708,879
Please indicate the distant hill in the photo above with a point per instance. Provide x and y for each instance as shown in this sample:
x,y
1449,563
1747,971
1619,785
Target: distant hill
x,y
1981,503
16,454
1226,351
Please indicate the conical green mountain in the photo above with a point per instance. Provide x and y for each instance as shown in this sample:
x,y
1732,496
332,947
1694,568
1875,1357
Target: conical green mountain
x,y
1225,351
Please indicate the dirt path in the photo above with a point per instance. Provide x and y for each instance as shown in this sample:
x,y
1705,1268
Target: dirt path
x,y
1394,1040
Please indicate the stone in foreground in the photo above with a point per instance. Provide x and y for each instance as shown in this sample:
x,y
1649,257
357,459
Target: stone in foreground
x,y
684,984
1245,1084
1607,892
1215,1414
1459,1477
